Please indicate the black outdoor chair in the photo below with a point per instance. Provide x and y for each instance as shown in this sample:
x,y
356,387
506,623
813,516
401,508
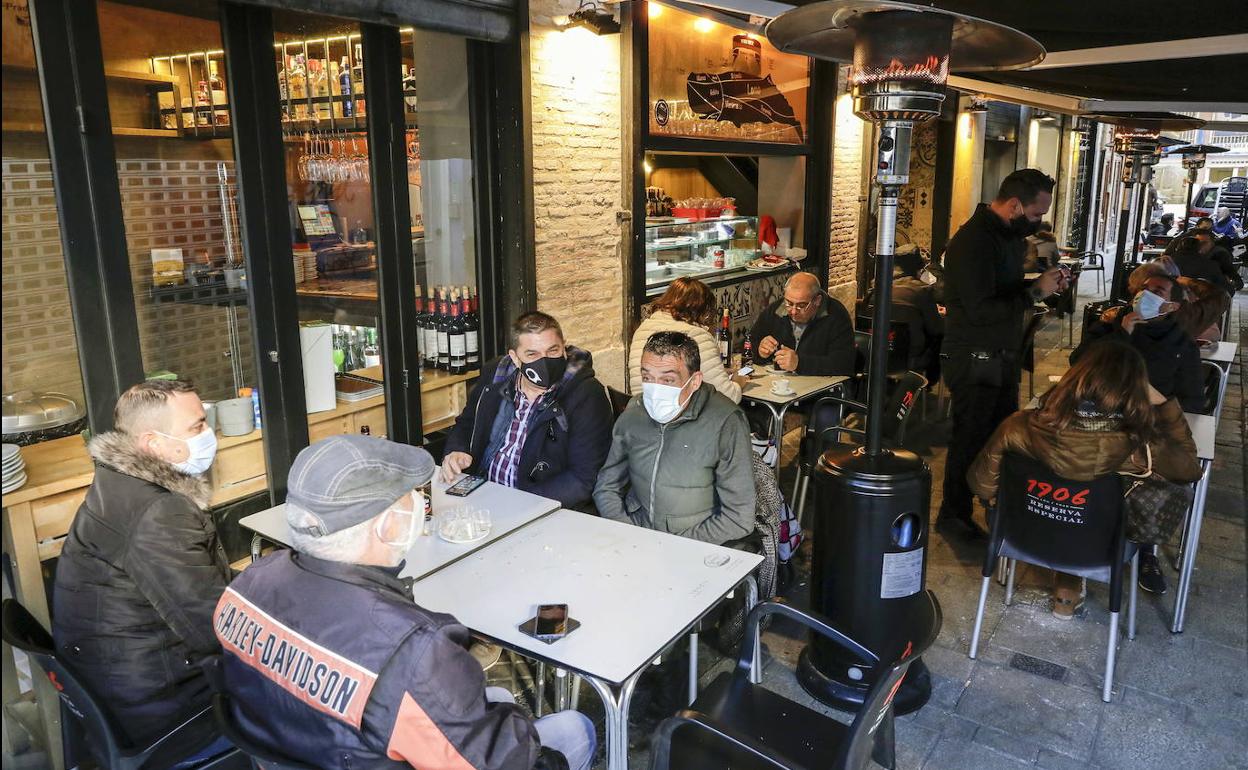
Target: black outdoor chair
x,y
619,401
1215,380
739,725
1075,527
822,429
81,709
899,336
265,758
1093,262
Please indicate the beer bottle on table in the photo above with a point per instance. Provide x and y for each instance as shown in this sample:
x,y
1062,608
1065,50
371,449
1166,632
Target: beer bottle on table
x,y
747,352
725,334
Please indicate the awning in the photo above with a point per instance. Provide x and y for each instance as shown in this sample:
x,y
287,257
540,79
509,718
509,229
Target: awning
x,y
489,20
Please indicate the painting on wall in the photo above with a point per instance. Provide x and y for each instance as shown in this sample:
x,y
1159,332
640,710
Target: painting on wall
x,y
712,81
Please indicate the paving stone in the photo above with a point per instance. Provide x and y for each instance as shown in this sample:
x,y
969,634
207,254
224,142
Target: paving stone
x,y
1078,644
1141,733
951,671
1007,743
959,597
1222,537
914,743
954,754
943,722
1032,708
1052,760
1208,677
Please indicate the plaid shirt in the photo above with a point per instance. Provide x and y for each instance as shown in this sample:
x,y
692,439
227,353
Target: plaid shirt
x,y
506,461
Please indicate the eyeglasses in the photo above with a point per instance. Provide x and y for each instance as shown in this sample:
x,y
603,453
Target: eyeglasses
x,y
800,307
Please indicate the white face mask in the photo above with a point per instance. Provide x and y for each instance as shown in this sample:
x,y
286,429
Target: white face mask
x,y
415,522
201,451
1147,304
663,402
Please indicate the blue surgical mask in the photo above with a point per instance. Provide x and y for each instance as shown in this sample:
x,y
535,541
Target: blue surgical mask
x,y
201,451
663,402
1147,304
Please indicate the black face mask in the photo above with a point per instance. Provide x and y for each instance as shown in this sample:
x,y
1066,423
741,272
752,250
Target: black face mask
x,y
1021,226
545,372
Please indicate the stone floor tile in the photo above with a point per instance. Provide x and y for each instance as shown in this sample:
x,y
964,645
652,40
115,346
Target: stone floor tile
x,y
1210,678
1140,733
955,754
1033,708
1007,743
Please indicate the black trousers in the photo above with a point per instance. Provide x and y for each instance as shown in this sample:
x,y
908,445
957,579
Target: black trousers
x,y
977,411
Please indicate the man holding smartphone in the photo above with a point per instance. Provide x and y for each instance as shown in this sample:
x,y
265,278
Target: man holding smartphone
x,y
987,300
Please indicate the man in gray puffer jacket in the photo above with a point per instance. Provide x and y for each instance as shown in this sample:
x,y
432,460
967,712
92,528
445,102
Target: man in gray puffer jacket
x,y
680,454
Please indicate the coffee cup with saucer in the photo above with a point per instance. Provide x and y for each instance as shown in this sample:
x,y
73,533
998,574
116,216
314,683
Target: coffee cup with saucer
x,y
780,386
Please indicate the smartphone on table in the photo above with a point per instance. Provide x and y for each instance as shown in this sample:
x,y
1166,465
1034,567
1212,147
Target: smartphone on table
x,y
465,486
550,624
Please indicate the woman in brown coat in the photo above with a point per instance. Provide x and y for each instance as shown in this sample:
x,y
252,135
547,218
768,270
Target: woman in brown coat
x,y
1096,421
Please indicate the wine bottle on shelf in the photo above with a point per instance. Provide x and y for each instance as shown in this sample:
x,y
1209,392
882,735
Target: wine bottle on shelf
x,y
457,338
472,334
420,327
725,335
431,331
444,332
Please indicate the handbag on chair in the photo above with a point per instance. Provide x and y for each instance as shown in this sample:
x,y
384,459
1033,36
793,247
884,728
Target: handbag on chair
x,y
1153,507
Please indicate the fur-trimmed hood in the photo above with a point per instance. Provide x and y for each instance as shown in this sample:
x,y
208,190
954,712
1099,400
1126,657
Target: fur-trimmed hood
x,y
117,451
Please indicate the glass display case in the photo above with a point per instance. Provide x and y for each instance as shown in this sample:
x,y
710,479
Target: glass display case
x,y
706,249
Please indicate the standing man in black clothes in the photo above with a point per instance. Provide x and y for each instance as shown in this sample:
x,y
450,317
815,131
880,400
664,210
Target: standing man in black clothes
x,y
986,299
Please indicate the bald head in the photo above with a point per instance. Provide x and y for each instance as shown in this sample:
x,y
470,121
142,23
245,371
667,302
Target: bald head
x,y
802,297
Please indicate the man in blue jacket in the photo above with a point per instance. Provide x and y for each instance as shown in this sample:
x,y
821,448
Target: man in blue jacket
x,y
537,419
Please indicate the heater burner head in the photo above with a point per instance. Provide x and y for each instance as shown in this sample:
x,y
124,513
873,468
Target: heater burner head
x,y
1194,154
1155,121
828,30
901,54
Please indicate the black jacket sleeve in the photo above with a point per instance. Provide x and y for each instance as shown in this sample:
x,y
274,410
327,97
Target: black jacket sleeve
x,y
459,437
1223,259
761,328
835,355
589,438
174,562
974,286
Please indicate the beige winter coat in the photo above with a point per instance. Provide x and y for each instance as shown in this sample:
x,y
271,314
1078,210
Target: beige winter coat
x,y
713,371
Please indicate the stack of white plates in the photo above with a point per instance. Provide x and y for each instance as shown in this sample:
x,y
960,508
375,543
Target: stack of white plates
x,y
14,468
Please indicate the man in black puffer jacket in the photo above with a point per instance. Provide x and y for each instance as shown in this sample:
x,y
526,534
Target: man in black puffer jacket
x,y
537,419
142,568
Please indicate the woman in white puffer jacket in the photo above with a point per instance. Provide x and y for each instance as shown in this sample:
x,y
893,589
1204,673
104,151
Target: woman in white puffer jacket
x,y
687,306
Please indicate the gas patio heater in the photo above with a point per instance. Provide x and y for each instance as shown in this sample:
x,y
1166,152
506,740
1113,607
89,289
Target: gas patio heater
x,y
1194,156
1137,138
872,502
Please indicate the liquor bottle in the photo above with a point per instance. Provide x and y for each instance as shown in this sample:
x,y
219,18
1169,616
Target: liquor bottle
x,y
431,331
372,356
216,88
297,83
457,338
357,80
747,352
472,334
444,332
344,86
725,335
203,114
319,87
283,91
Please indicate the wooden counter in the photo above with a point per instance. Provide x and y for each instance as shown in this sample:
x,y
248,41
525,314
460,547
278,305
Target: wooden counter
x,y
37,516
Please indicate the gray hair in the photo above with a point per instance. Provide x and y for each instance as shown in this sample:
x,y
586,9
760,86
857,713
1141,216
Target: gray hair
x,y
346,545
808,282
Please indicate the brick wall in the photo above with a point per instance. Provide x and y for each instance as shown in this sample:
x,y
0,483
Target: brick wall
x,y
578,185
847,197
40,352
166,204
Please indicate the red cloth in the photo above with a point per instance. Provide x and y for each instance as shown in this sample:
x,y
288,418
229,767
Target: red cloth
x,y
767,231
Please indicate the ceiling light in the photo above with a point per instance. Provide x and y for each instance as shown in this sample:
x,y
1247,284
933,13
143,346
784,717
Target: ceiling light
x,y
655,10
703,25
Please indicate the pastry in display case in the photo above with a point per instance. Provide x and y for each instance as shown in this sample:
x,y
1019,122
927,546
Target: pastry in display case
x,y
703,248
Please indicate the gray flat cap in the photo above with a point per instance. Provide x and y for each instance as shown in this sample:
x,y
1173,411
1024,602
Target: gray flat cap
x,y
346,480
